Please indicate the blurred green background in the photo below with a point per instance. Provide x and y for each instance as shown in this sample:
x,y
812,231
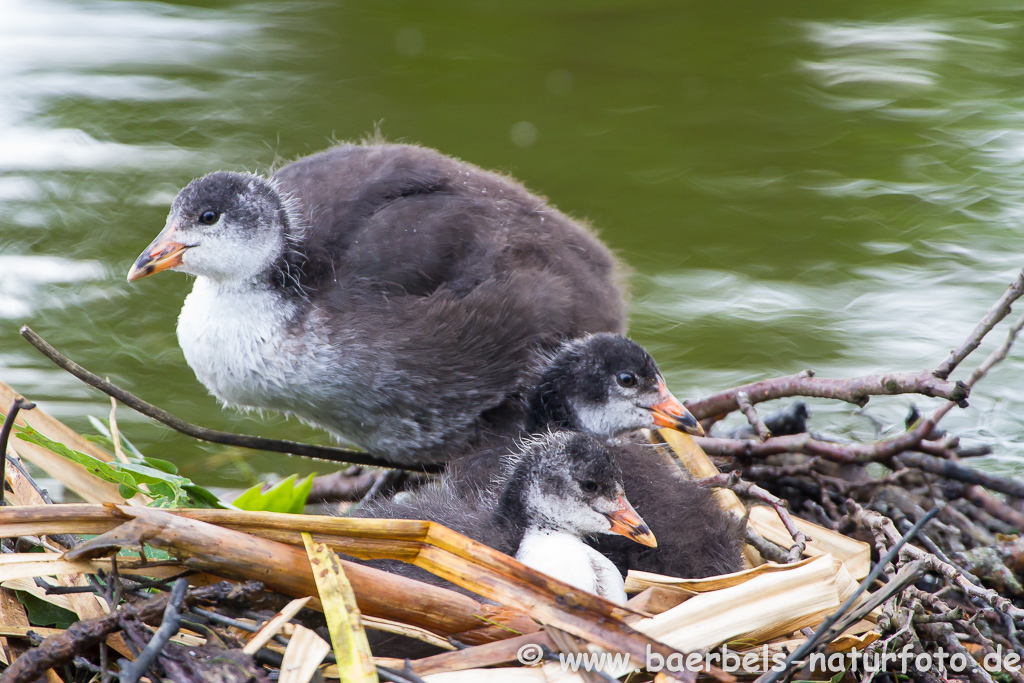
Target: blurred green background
x,y
795,184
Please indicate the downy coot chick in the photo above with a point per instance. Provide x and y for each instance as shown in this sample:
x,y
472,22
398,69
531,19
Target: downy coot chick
x,y
607,385
387,293
559,488
601,384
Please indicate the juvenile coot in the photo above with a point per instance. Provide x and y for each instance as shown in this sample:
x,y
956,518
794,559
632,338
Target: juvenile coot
x,y
387,293
559,488
608,386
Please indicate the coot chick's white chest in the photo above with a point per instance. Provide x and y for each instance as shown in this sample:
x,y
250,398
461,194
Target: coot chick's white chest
x,y
236,342
567,558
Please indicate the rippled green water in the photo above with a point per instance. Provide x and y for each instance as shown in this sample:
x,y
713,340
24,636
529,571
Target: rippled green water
x,y
796,184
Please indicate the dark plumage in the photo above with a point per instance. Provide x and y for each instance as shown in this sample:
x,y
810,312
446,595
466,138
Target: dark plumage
x,y
563,483
391,294
558,488
696,538
579,390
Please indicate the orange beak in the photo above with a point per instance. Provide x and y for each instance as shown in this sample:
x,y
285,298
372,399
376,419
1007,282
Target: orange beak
x,y
163,253
627,522
669,412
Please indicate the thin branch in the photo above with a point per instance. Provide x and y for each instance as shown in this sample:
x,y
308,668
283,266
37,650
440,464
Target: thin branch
x,y
17,406
751,490
996,313
743,401
203,434
86,634
856,390
954,575
131,672
993,506
998,354
969,475
826,632
765,548
847,453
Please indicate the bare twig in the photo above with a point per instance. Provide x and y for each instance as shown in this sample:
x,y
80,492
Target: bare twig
x,y
84,635
856,390
829,628
996,313
131,672
350,484
202,433
969,475
953,574
765,548
115,433
993,506
849,453
751,490
5,435
743,401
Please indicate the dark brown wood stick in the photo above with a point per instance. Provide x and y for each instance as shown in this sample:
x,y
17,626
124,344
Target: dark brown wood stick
x,y
952,470
259,443
85,635
856,390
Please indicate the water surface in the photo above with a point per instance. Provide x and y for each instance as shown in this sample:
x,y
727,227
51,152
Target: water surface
x,y
795,184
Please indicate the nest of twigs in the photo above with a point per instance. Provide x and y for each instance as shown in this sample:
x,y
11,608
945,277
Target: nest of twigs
x,y
910,569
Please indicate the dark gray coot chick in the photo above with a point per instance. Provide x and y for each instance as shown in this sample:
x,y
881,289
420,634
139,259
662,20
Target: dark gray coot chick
x,y
387,293
558,489
609,386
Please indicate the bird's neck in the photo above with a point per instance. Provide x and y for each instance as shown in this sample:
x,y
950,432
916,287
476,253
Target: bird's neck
x,y
549,409
258,285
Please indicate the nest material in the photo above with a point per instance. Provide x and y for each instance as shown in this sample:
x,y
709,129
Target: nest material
x,y
819,512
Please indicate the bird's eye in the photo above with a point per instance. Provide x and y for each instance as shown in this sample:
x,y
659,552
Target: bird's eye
x,y
589,486
209,217
626,379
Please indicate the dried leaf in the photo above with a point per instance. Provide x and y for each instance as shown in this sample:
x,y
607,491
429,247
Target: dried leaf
x,y
351,649
274,626
305,652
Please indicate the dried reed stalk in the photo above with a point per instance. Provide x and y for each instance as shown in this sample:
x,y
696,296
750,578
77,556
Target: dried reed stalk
x,y
73,476
822,541
527,596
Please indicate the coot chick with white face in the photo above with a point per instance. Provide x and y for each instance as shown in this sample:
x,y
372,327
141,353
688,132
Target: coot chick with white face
x,y
608,386
603,384
559,488
387,293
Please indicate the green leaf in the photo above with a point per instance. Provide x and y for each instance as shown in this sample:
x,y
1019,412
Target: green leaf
x,y
167,489
106,438
204,498
45,614
162,465
285,496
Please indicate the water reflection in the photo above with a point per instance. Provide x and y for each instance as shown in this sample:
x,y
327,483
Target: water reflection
x,y
50,51
830,188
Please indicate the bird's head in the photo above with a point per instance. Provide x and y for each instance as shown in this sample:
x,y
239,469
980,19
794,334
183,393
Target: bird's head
x,y
569,481
606,384
230,227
